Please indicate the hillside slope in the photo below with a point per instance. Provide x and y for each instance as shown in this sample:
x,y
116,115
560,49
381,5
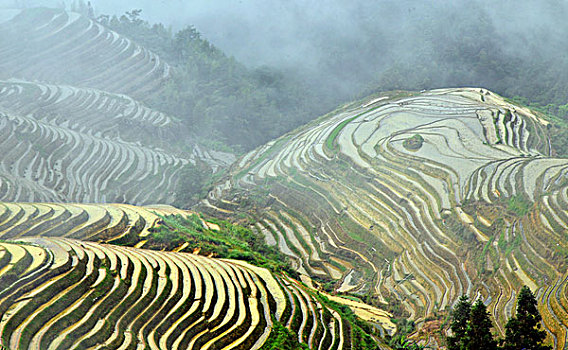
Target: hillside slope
x,y
64,287
412,200
68,48
62,143
74,121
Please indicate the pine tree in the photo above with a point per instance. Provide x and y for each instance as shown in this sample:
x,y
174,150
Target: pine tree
x,y
459,325
471,327
523,331
479,330
90,10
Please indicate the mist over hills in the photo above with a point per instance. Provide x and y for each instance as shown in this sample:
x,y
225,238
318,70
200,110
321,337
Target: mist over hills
x,y
338,51
342,50
351,46
261,68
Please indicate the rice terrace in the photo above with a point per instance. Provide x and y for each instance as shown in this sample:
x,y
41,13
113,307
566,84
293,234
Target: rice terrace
x,y
156,193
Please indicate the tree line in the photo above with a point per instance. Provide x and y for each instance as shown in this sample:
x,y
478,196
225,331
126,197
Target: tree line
x,y
471,326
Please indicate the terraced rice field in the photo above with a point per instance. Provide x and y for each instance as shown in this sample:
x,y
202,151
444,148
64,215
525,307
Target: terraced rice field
x,y
58,292
408,199
478,208
82,295
75,127
75,50
110,223
49,162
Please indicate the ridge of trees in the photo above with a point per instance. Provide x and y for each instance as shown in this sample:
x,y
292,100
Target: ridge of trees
x,y
240,107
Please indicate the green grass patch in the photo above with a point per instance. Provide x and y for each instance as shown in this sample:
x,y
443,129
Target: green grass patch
x,y
519,205
231,241
330,141
413,143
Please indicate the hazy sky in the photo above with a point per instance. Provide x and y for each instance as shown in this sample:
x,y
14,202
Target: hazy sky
x,y
277,32
346,44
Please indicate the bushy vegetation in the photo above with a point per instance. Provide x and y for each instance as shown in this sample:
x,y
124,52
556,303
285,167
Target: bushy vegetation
x,y
519,205
413,143
361,331
404,327
281,338
230,241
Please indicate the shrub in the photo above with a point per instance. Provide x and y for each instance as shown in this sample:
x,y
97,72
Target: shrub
x,y
413,143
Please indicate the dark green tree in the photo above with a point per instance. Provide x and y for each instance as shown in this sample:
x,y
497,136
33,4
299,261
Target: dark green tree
x,y
479,328
459,325
471,327
523,331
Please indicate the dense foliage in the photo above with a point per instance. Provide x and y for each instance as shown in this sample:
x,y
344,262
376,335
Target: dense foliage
x,y
399,341
413,143
460,324
523,331
281,338
480,336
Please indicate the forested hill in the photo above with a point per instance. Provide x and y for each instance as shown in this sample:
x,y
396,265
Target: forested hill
x,y
228,103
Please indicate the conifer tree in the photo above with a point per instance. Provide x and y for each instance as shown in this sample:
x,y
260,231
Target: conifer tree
x,y
479,330
523,331
459,325
471,327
